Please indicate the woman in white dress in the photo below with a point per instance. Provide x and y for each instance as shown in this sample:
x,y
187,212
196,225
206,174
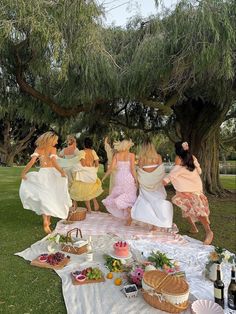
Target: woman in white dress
x,y
45,192
151,206
69,152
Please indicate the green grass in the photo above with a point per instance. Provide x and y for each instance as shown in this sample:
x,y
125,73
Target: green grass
x,y
228,182
25,289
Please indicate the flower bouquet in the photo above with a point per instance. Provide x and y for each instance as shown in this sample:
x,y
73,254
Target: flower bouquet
x,y
218,256
162,262
135,273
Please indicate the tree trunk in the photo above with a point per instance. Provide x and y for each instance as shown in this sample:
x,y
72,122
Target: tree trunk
x,y
198,123
10,159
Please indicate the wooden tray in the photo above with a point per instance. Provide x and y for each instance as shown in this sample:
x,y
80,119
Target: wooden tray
x,y
87,281
63,263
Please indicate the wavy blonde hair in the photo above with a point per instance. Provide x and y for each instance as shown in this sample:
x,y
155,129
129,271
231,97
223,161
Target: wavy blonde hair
x,y
46,139
148,152
121,146
70,139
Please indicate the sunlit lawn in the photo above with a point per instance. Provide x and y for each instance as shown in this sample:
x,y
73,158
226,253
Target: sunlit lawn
x,y
25,289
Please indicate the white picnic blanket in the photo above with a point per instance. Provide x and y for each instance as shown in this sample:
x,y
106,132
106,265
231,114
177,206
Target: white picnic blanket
x,y
106,298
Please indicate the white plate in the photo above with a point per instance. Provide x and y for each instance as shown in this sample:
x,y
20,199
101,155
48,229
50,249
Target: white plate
x,y
206,307
118,257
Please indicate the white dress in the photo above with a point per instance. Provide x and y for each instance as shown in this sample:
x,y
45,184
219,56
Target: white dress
x,y
46,192
151,205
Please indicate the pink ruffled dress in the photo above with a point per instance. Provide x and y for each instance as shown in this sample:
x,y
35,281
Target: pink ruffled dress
x,y
123,194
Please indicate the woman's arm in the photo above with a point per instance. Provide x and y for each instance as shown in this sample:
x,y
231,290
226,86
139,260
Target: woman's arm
x,y
197,165
132,167
111,168
28,166
178,161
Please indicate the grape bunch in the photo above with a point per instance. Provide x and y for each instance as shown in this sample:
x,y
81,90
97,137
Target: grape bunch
x,y
55,259
92,273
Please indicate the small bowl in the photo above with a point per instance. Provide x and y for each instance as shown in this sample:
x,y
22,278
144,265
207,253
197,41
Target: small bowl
x,y
76,273
206,306
43,258
80,278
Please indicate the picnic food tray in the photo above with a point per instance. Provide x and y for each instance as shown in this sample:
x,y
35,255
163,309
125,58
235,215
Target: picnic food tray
x,y
60,265
87,281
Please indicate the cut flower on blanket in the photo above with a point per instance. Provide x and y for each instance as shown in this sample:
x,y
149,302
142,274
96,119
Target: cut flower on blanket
x,y
161,261
135,273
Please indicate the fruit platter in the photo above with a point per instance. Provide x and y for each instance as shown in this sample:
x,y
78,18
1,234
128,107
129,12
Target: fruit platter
x,y
56,260
87,275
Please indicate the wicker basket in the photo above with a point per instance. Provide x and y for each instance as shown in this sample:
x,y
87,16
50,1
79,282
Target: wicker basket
x,y
165,292
77,214
70,245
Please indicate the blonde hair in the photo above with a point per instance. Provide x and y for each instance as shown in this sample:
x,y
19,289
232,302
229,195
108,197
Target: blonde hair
x,y
46,139
70,140
148,152
123,145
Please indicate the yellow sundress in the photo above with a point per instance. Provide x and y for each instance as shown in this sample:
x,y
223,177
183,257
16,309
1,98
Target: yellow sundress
x,y
81,190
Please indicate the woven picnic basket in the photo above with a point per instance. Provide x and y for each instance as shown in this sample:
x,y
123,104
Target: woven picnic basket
x,y
165,292
77,214
71,246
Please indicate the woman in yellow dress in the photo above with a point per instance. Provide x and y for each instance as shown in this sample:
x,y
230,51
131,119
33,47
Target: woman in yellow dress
x,y
86,185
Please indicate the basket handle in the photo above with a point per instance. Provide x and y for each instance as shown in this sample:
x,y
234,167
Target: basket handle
x,y
77,231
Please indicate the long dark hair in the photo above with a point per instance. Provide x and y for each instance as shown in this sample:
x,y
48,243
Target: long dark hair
x,y
182,150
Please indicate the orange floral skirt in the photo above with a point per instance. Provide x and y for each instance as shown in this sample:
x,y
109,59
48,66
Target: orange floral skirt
x,y
193,204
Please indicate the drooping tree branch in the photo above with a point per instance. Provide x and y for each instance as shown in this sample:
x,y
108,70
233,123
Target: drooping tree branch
x,y
24,86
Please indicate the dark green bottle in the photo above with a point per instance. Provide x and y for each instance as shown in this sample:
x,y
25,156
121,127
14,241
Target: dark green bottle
x,y
232,291
219,289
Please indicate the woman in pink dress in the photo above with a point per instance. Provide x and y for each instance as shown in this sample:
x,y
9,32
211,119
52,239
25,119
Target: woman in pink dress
x,y
185,177
123,194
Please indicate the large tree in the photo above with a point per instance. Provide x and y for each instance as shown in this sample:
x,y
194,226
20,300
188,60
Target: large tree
x,y
59,45
181,63
184,64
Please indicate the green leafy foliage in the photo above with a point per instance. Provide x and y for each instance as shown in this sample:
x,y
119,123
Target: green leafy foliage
x,y
159,259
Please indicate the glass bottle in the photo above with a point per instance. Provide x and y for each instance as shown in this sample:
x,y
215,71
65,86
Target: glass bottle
x,y
232,291
219,288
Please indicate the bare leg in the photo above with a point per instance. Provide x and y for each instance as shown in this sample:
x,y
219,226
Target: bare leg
x,y
95,204
49,220
87,203
74,204
155,228
129,220
209,233
46,222
193,226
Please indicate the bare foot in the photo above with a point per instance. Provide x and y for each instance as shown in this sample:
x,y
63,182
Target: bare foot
x,y
89,211
47,229
96,208
128,222
209,238
154,228
193,230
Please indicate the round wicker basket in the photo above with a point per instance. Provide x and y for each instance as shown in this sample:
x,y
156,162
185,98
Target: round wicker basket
x,y
77,214
165,292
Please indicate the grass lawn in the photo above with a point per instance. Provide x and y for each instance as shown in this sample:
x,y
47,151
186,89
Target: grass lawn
x,y
25,289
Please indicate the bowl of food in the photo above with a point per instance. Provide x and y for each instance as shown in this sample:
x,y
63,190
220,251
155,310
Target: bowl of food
x,y
80,278
43,258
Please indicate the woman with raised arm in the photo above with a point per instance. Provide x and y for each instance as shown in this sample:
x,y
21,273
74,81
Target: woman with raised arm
x,y
123,194
45,192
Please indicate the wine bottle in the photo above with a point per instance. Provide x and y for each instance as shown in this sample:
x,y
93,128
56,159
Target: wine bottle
x,y
232,291
219,288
